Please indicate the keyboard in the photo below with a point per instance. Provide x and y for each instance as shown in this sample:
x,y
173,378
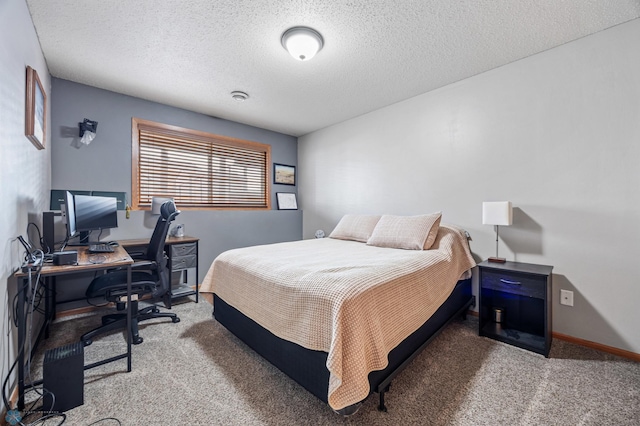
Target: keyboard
x,y
100,248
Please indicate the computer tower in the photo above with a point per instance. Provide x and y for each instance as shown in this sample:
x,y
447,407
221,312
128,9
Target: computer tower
x,y
63,376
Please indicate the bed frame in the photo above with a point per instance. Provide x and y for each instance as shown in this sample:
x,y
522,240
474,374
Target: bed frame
x,y
308,367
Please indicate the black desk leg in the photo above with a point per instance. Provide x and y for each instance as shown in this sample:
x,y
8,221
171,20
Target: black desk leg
x,y
21,337
197,274
128,318
49,303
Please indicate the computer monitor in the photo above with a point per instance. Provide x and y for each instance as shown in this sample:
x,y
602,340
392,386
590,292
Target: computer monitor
x,y
86,213
70,214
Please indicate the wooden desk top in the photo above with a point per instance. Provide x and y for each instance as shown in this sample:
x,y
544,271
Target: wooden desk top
x,y
96,261
87,262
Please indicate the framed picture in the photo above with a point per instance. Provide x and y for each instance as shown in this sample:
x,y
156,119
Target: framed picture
x,y
287,201
36,110
283,174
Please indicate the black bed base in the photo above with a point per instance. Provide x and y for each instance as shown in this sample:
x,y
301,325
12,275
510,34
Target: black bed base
x,y
308,367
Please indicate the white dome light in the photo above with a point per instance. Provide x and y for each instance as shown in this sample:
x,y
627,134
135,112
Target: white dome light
x,y
302,42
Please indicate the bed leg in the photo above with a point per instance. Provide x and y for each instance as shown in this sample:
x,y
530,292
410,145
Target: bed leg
x,y
383,407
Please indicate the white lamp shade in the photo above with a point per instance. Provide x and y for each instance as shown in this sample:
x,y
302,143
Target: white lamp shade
x,y
157,202
302,43
497,213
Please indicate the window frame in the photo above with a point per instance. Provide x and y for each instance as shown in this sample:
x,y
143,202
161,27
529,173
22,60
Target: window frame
x,y
200,136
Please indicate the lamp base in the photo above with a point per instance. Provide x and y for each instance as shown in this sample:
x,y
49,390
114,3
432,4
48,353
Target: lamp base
x,y
497,259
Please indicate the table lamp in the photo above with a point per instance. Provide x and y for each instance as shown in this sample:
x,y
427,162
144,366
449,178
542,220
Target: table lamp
x,y
497,213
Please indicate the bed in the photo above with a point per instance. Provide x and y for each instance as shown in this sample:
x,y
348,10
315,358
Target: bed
x,y
342,316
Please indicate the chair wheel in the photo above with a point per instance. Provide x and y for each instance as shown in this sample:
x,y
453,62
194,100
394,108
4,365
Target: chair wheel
x,y
87,342
155,310
137,340
176,319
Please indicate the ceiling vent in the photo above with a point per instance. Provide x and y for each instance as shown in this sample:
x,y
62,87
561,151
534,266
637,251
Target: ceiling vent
x,y
239,96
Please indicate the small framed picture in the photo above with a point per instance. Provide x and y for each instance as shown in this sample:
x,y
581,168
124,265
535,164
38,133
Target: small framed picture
x,y
287,201
36,111
283,174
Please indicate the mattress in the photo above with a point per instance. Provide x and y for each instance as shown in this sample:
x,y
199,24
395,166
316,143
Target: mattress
x,y
353,301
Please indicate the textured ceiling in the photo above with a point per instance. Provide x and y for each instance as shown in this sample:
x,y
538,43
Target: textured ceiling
x,y
193,53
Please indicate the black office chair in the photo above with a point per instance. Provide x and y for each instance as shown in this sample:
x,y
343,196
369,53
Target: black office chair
x,y
149,276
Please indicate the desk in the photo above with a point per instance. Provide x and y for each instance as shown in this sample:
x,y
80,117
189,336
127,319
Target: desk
x,y
86,262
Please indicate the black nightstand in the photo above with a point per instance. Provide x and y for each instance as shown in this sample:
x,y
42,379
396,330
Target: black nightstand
x,y
515,304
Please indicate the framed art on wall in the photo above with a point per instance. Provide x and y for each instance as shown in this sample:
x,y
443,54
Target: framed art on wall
x,y
36,110
283,174
287,201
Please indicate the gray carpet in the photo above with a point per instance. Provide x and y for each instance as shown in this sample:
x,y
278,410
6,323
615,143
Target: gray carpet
x,y
197,373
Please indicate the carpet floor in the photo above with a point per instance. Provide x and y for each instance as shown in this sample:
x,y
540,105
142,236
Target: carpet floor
x,y
197,373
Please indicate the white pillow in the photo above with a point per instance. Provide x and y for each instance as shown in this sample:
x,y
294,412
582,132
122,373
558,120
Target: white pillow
x,y
406,232
355,227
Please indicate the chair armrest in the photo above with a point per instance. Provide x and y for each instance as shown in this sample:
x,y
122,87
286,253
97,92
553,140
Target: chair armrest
x,y
136,254
144,264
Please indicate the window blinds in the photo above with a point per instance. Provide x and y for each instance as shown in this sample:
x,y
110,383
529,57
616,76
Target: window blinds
x,y
198,170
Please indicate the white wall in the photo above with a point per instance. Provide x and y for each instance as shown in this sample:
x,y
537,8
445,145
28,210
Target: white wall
x,y
558,134
24,171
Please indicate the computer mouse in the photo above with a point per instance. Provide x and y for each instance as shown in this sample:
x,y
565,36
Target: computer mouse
x,y
113,243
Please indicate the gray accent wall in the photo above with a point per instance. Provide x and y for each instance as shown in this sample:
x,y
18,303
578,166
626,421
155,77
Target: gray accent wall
x,y
557,134
24,170
105,165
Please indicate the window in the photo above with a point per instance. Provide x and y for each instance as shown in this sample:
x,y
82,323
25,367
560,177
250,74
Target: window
x,y
198,170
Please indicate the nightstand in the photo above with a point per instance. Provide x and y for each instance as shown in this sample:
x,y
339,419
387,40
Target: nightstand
x,y
515,304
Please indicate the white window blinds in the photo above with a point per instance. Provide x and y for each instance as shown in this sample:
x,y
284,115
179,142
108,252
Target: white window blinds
x,y
197,169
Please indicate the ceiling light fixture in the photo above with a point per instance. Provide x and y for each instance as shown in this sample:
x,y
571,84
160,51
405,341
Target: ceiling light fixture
x,y
239,96
302,42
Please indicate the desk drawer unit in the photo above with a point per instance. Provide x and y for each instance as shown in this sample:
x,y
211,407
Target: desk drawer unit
x,y
182,257
181,263
185,249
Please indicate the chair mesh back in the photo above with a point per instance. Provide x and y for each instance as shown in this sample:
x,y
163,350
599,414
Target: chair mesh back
x,y
155,250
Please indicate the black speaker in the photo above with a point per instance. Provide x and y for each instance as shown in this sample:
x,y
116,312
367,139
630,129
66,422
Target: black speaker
x,y
63,376
48,233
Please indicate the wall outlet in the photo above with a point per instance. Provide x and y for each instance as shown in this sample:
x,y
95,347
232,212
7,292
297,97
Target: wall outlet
x,y
566,297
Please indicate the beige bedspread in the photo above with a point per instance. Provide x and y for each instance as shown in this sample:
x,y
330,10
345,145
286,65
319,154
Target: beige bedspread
x,y
353,301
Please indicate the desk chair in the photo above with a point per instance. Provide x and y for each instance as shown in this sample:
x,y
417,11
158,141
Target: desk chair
x,y
149,276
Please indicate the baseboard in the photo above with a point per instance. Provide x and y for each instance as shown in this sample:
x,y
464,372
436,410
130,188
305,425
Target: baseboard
x,y
588,344
79,311
598,346
13,402
88,309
